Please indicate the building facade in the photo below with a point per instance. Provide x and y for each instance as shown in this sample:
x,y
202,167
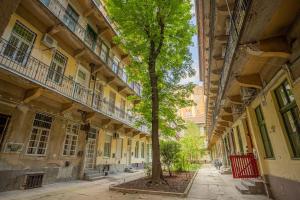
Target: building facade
x,y
63,95
249,62
195,113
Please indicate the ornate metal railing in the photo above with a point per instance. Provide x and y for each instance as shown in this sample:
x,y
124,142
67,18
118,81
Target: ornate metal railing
x,y
94,45
21,63
237,18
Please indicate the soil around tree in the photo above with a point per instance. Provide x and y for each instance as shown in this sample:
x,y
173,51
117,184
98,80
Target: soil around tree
x,y
177,183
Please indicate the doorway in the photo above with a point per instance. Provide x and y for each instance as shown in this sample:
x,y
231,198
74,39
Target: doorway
x,y
82,84
4,121
129,151
91,149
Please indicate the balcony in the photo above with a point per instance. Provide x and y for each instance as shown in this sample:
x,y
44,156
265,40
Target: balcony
x,y
236,23
16,61
91,42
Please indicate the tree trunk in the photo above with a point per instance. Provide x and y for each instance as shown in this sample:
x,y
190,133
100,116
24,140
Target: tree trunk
x,y
156,165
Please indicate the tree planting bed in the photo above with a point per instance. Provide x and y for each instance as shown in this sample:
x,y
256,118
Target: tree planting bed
x,y
177,185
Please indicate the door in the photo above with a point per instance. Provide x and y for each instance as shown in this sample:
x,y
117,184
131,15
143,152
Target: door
x,y
82,84
91,149
4,120
57,68
112,102
98,96
122,108
129,152
20,44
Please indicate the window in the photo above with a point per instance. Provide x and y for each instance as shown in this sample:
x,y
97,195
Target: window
x,y
57,67
20,43
107,146
264,133
70,18
240,139
290,115
143,150
119,148
71,139
136,150
39,134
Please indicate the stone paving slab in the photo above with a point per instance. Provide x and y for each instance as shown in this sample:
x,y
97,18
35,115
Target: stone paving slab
x,y
208,185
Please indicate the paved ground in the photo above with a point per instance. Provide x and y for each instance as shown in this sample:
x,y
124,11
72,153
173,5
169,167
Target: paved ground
x,y
208,185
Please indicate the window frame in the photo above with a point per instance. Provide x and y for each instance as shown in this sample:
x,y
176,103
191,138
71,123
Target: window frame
x,y
290,106
20,40
71,140
39,136
260,124
56,63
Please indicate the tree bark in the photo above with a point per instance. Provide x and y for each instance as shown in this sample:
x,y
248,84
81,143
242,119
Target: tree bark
x,y
156,165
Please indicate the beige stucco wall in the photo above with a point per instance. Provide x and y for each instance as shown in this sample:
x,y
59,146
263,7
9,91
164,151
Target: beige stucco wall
x,y
277,134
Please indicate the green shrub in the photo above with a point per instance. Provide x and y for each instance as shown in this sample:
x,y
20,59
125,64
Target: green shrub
x,y
169,151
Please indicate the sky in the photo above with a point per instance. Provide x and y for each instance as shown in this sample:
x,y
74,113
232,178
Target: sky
x,y
194,51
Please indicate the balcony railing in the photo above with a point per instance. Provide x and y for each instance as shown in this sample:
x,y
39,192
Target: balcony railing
x,y
17,61
61,13
237,18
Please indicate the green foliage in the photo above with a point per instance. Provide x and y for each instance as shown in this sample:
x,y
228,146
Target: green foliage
x,y
159,30
169,151
192,143
182,164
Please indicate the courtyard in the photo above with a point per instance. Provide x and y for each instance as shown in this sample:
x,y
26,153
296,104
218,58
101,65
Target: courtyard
x,y
209,184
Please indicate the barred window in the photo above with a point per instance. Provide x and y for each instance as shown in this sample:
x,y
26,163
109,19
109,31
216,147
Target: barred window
x,y
71,139
39,135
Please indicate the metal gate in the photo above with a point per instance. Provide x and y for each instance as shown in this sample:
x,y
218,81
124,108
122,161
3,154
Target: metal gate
x,y
244,166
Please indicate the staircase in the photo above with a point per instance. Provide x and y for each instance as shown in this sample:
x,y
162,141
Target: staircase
x,y
251,186
93,175
226,171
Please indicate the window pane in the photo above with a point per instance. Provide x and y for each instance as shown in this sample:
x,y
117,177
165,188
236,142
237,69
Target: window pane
x,y
281,96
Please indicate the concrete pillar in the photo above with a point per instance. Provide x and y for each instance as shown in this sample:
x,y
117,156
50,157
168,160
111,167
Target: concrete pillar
x,y
7,8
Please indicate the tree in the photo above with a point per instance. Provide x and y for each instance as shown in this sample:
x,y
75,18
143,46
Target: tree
x,y
192,142
156,34
169,151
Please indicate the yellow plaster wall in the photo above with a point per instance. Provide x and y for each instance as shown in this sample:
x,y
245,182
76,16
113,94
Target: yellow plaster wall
x,y
283,165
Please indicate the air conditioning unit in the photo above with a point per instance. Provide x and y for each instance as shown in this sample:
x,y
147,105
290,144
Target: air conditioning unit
x,y
49,41
116,136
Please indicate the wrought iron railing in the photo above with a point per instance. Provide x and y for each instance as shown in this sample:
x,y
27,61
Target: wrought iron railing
x,y
21,63
61,13
237,18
